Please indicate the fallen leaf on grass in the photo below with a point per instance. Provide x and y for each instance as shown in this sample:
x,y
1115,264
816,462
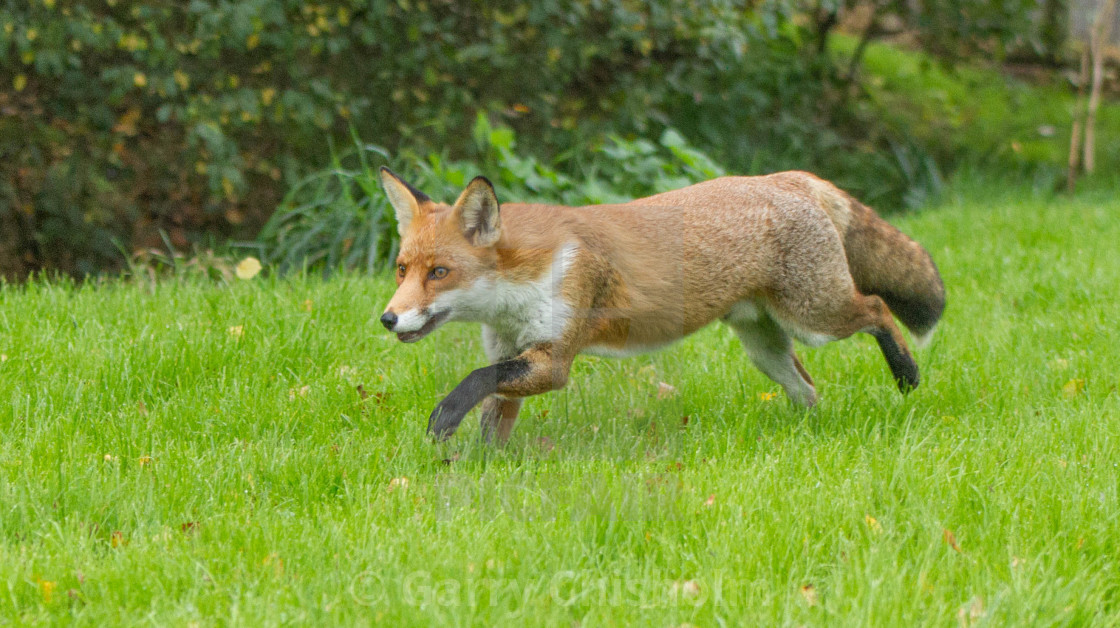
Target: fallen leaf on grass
x,y
237,331
1073,388
664,391
144,460
974,611
248,268
307,305
809,593
47,587
873,524
116,539
298,392
689,589
189,527
401,483
710,501
951,539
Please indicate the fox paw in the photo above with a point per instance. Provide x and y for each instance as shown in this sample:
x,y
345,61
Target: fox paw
x,y
447,416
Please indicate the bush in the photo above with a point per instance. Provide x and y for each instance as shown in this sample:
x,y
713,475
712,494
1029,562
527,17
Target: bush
x,y
340,219
122,119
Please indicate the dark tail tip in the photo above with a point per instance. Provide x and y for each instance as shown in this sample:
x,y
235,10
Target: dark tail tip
x,y
920,315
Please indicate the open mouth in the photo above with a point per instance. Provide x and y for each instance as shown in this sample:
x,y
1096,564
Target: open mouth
x,y
429,327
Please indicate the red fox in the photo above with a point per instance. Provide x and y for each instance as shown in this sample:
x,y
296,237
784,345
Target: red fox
x,y
776,257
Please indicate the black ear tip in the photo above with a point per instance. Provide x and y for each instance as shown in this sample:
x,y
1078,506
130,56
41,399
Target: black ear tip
x,y
483,180
385,170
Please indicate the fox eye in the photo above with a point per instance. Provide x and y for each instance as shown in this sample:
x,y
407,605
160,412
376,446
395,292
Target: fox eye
x,y
401,269
439,272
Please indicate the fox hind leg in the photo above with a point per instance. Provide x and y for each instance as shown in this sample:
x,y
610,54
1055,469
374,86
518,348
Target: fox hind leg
x,y
498,416
770,349
857,313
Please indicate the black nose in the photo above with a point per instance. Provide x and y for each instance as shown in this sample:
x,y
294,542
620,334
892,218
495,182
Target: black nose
x,y
389,320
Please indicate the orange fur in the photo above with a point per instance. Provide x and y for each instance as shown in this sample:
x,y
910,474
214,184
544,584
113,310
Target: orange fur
x,y
778,256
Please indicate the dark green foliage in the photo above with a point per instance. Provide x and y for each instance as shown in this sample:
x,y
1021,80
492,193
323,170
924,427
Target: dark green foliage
x,y
340,218
124,119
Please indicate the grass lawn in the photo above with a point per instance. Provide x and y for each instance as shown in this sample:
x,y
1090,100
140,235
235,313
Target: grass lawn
x,y
187,452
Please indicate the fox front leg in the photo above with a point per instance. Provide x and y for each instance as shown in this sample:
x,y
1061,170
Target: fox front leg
x,y
537,370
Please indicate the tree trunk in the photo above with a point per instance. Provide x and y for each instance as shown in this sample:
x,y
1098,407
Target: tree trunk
x,y
1078,122
1098,41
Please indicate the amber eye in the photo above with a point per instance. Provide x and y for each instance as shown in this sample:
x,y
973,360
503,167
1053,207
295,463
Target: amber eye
x,y
439,272
401,269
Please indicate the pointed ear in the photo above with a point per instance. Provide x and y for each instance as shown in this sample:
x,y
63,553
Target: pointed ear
x,y
405,199
477,209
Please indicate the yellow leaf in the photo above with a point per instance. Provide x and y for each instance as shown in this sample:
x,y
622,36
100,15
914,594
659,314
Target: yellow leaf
x,y
401,483
307,306
19,82
237,331
49,3
873,524
3,357
248,268
182,80
139,79
47,587
117,538
767,396
253,41
1073,388
27,57
32,34
267,94
145,461
227,185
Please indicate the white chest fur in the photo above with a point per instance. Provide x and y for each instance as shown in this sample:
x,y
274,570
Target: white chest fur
x,y
518,314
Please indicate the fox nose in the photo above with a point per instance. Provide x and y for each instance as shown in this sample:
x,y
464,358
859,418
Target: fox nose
x,y
389,320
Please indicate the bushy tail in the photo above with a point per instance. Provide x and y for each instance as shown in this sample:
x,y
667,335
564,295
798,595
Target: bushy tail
x,y
885,262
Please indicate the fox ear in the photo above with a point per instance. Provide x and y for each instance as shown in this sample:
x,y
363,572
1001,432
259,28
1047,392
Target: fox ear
x,y
404,198
477,209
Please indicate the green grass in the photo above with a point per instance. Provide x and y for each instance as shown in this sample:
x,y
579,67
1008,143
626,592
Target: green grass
x,y
157,468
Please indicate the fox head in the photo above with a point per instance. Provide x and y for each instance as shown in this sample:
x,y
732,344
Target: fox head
x,y
445,256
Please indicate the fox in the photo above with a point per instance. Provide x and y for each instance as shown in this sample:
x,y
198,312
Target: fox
x,y
779,257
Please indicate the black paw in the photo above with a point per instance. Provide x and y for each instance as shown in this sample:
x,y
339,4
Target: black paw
x,y
447,416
